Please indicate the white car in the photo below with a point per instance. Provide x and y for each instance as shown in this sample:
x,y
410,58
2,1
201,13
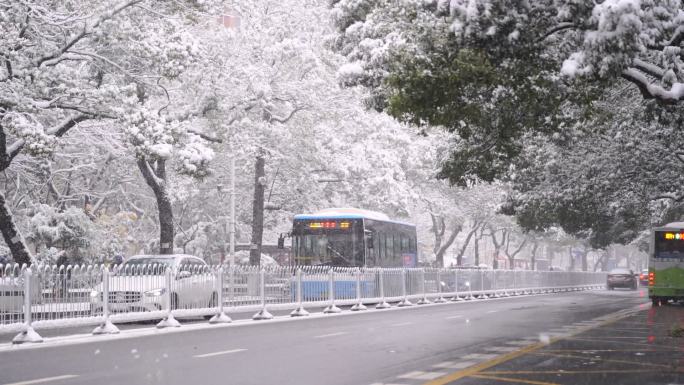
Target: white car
x,y
140,284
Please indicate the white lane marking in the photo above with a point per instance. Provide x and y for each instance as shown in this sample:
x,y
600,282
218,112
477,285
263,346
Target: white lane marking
x,y
43,380
418,375
454,365
219,353
403,324
454,317
331,335
492,311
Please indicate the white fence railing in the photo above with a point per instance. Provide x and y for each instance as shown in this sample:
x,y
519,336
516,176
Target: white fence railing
x,y
56,296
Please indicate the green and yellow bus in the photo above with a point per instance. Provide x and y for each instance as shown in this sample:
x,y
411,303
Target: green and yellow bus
x,y
666,264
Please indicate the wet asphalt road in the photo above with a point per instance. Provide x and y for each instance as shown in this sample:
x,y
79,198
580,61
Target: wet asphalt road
x,y
403,346
635,350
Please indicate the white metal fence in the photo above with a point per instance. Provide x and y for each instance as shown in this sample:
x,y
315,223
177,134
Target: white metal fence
x,y
54,296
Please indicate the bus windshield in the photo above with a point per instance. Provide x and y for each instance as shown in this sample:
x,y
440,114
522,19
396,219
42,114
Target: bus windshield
x,y
669,245
334,249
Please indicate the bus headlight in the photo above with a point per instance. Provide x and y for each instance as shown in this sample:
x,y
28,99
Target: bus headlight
x,y
155,292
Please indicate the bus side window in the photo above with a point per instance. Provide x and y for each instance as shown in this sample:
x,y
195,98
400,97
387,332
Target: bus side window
x,y
389,253
397,250
376,250
404,243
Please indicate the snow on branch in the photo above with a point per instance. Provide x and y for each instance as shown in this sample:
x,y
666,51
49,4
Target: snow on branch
x,y
205,136
648,68
676,40
149,174
66,125
288,116
669,196
654,91
87,29
558,28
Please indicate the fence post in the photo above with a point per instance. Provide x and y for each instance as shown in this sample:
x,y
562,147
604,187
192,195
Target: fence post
x,y
383,304
505,285
220,317
424,300
106,327
440,299
456,297
482,294
171,302
514,292
526,279
359,303
27,334
470,296
331,294
405,301
299,311
231,284
495,284
262,314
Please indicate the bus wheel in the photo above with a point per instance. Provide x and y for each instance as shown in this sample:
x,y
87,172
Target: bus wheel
x,y
655,301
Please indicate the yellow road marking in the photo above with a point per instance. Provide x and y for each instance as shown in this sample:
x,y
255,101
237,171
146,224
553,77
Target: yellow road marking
x,y
516,380
599,359
473,370
611,350
559,372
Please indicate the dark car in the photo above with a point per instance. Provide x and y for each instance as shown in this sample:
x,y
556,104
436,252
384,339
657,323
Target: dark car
x,y
621,277
643,277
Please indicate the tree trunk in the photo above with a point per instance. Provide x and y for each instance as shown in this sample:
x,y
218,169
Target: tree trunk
x,y
497,246
156,179
459,256
602,260
257,211
477,252
572,259
11,234
438,229
449,241
534,255
584,260
511,257
165,224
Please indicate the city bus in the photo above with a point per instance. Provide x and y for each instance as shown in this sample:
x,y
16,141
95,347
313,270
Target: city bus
x,y
352,238
666,264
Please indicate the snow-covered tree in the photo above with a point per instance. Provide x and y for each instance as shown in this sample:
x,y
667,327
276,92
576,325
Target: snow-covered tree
x,y
69,62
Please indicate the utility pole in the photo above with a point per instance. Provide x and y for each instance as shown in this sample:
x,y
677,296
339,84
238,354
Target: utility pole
x,y
232,210
257,211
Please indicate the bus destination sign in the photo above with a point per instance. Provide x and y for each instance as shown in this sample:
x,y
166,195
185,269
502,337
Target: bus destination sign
x,y
329,225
